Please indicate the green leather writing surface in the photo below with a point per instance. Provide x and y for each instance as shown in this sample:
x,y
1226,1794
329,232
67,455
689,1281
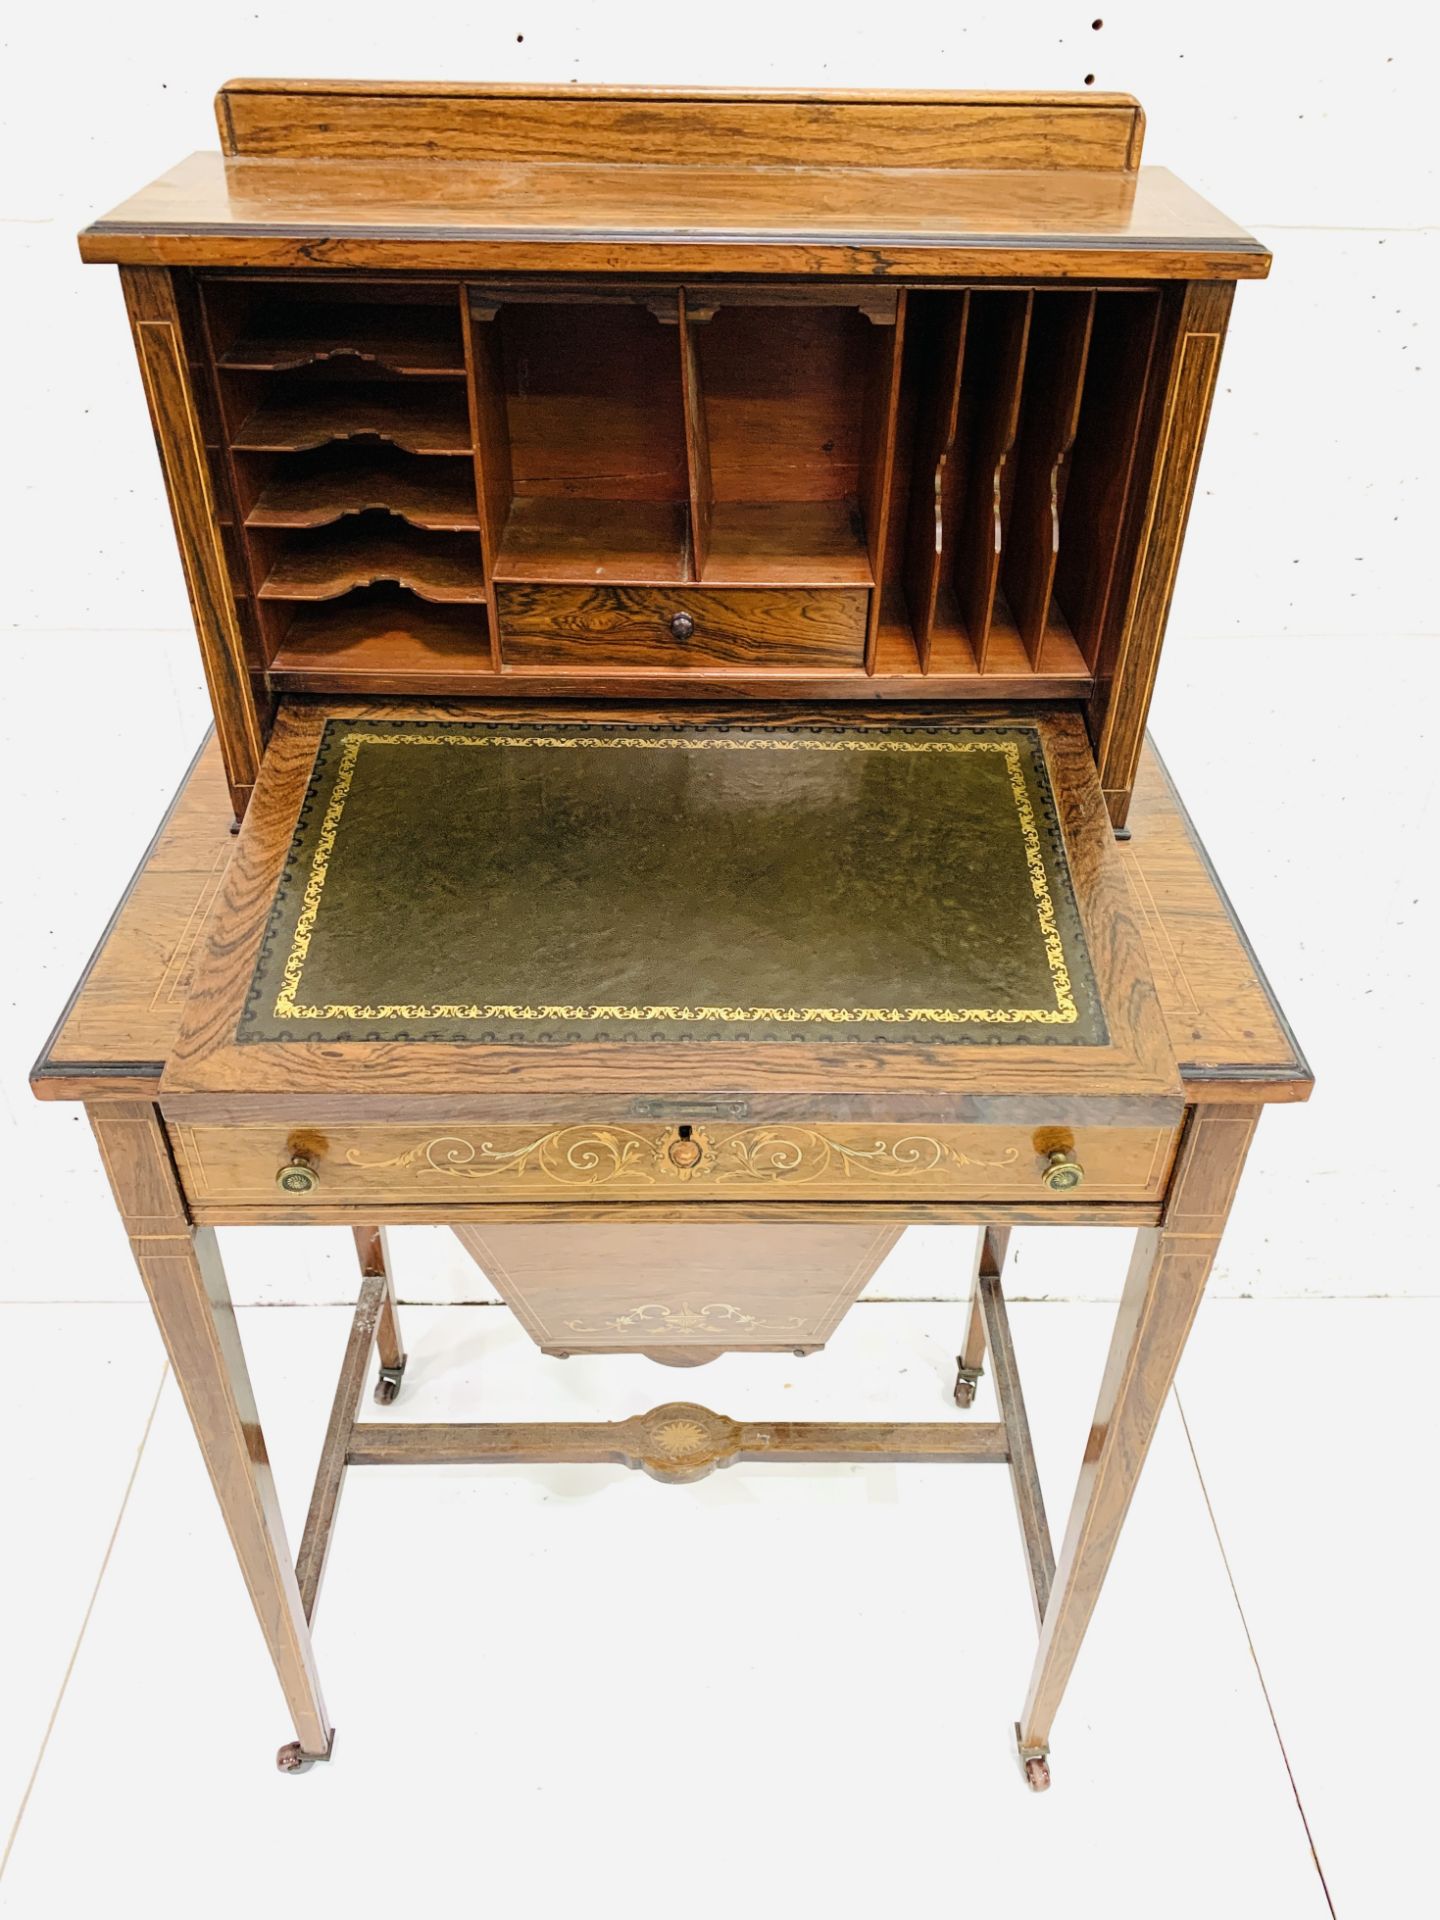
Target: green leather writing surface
x,y
483,881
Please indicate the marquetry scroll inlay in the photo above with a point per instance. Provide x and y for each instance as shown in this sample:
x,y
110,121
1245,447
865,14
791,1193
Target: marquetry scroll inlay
x,y
778,1153
716,1320
741,1156
569,1156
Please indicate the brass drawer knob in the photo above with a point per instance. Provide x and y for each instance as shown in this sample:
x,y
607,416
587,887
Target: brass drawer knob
x,y
685,1152
681,625
298,1175
1063,1173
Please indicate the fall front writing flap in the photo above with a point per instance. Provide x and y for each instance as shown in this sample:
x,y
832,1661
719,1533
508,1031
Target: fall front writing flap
x,y
460,900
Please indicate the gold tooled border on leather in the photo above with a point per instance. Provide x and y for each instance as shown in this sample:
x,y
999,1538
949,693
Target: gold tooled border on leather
x,y
276,1009
288,1005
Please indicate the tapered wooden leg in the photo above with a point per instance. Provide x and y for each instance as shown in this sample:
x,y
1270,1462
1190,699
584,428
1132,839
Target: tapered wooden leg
x,y
374,1252
989,1264
1162,1292
180,1266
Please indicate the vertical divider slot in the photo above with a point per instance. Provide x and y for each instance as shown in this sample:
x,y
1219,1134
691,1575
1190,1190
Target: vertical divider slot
x,y
697,444
579,435
494,481
1060,331
937,487
1102,465
999,336
878,428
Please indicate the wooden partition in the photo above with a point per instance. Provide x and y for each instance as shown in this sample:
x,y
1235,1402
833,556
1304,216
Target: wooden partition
x,y
346,427
1028,416
442,485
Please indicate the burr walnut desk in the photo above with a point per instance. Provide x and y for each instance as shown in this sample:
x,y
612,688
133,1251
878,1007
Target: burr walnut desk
x,y
680,579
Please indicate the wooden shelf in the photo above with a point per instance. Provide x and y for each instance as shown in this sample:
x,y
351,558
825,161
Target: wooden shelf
x,y
375,641
754,453
441,567
401,339
818,543
427,419
630,542
436,494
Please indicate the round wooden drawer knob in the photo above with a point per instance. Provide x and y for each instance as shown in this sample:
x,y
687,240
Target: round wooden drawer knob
x,y
298,1176
681,625
685,1153
1062,1172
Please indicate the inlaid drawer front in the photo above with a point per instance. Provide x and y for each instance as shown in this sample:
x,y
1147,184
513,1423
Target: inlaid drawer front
x,y
466,1165
681,626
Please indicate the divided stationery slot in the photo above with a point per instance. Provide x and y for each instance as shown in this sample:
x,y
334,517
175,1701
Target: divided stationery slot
x,y
378,640
828,490
788,409
393,338
299,412
319,488
1027,417
581,439
345,417
372,550
730,444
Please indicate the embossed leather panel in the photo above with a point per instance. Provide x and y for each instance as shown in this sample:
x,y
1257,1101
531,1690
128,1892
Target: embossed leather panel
x,y
454,880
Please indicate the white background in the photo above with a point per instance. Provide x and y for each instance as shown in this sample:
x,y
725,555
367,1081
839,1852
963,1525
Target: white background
x,y
1294,699
570,1691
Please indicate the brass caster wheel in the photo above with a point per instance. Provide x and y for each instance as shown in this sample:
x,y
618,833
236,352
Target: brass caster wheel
x,y
1036,1762
292,1757
966,1381
387,1387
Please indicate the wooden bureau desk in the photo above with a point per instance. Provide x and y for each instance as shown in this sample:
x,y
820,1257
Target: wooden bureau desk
x,y
680,638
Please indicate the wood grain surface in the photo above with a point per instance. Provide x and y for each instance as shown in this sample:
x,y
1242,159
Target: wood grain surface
x,y
436,494
280,1080
1178,412
1167,1277
421,419
382,642
722,217
236,1164
677,1293
823,127
445,568
183,1276
155,320
1225,1024
770,627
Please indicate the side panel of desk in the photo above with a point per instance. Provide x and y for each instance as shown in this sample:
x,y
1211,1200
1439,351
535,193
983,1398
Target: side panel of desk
x,y
1230,1035
116,1030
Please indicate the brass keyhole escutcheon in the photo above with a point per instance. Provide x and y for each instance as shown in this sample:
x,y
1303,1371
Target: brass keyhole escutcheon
x,y
681,625
299,1175
1063,1172
685,1151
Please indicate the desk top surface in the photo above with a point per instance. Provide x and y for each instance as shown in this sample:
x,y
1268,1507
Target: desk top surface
x,y
122,1021
497,179
884,913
